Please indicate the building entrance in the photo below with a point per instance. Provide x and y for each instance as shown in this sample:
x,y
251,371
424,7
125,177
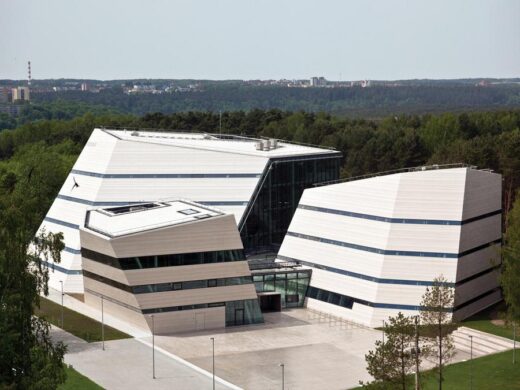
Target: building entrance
x,y
270,301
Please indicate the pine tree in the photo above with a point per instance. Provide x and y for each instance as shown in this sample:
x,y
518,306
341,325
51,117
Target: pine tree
x,y
436,306
392,361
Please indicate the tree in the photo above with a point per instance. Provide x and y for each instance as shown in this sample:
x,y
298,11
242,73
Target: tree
x,y
510,276
392,361
28,357
436,306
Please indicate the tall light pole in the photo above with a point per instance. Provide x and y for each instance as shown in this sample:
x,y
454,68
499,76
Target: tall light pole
x,y
417,383
153,346
61,282
283,375
471,363
213,343
102,324
514,341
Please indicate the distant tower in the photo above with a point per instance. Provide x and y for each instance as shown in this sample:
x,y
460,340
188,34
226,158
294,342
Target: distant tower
x,y
29,73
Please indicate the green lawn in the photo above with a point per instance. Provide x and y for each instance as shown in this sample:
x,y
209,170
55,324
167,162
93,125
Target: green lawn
x,y
76,381
489,372
482,322
76,323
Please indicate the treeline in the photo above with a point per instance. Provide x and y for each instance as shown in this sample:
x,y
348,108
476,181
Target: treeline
x,y
376,101
486,139
55,109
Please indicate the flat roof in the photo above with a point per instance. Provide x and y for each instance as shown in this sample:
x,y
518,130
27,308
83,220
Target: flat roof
x,y
221,143
123,220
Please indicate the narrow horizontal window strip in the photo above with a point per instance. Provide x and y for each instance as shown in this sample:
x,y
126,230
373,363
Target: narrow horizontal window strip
x,y
388,252
72,250
411,221
340,300
62,223
183,308
121,203
170,286
382,280
360,276
167,175
477,298
477,275
63,270
173,260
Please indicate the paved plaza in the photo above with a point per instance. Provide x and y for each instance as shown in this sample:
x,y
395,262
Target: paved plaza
x,y
319,352
127,364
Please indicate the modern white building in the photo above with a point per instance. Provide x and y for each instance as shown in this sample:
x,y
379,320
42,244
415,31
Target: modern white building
x,y
375,244
258,181
179,261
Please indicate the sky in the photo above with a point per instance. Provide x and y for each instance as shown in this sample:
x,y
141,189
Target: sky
x,y
260,39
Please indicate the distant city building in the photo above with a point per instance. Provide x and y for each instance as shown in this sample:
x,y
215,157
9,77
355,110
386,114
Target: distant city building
x,y
20,94
84,86
4,94
318,82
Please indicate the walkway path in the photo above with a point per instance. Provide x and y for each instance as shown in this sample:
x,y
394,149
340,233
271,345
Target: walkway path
x,y
127,364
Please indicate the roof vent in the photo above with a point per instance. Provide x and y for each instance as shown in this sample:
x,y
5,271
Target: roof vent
x,y
258,145
135,133
265,144
274,143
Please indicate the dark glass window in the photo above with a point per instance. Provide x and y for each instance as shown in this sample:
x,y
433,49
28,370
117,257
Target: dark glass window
x,y
277,199
162,287
331,297
165,260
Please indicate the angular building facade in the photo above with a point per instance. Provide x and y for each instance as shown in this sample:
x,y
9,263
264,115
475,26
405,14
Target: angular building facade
x,y
375,244
258,181
179,261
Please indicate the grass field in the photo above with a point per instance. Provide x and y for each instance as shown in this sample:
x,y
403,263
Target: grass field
x,y
482,322
489,372
76,381
79,325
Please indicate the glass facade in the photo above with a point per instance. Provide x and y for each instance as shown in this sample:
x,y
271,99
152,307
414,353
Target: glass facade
x,y
243,312
292,285
332,298
165,260
269,217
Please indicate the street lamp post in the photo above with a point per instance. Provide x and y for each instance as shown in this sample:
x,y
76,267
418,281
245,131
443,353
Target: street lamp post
x,y
417,351
61,282
283,375
213,343
102,324
383,332
514,342
153,346
471,363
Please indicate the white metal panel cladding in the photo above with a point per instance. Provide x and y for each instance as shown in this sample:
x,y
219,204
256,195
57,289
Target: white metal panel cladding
x,y
381,241
117,168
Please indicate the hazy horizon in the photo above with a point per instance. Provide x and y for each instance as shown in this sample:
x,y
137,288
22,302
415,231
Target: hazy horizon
x,y
247,40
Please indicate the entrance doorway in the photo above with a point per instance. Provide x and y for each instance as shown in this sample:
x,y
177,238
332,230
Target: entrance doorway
x,y
239,316
270,301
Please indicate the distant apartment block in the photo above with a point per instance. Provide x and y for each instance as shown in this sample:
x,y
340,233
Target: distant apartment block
x,y
20,94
